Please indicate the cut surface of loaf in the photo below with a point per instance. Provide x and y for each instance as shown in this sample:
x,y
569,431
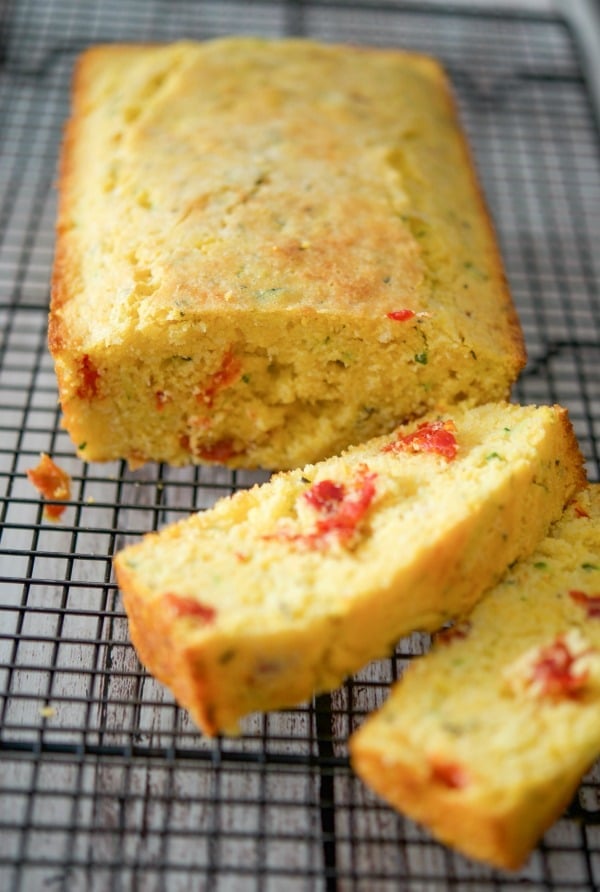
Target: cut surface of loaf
x,y
266,251
285,589
485,739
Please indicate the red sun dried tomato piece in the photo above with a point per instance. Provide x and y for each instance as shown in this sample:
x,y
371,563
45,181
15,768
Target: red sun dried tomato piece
x,y
350,505
183,605
325,495
590,603
401,315
342,508
451,774
89,377
221,451
554,671
227,374
53,483
453,633
580,510
433,436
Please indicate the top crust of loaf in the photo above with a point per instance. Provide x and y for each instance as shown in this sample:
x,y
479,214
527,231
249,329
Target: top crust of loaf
x,y
341,168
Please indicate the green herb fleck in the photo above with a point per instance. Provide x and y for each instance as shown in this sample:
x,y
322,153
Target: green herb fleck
x,y
266,293
421,358
246,378
588,566
82,445
475,271
540,565
495,455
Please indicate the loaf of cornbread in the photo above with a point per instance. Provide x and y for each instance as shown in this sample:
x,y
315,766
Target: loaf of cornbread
x,y
486,738
283,590
266,251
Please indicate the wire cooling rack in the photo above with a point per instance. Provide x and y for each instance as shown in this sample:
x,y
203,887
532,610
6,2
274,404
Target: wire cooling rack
x,y
105,784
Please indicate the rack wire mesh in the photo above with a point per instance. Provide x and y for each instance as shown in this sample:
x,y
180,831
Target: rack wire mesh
x,y
105,784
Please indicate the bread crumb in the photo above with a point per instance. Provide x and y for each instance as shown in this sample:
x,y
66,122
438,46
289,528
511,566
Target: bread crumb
x,y
52,483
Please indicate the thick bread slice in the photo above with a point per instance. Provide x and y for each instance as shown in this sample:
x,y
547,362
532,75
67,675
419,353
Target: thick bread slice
x,y
285,589
485,739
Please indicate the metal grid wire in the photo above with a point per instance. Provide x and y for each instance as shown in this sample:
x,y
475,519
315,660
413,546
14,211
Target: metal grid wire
x,y
106,785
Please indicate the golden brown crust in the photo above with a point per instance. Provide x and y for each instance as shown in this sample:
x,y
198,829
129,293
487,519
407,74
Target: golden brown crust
x,y
158,645
66,259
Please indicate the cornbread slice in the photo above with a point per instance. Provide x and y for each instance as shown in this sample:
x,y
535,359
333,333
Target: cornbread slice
x,y
267,251
485,739
285,589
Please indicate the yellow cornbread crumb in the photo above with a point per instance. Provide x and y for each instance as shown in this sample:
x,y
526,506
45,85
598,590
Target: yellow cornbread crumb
x,y
285,589
485,739
266,251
